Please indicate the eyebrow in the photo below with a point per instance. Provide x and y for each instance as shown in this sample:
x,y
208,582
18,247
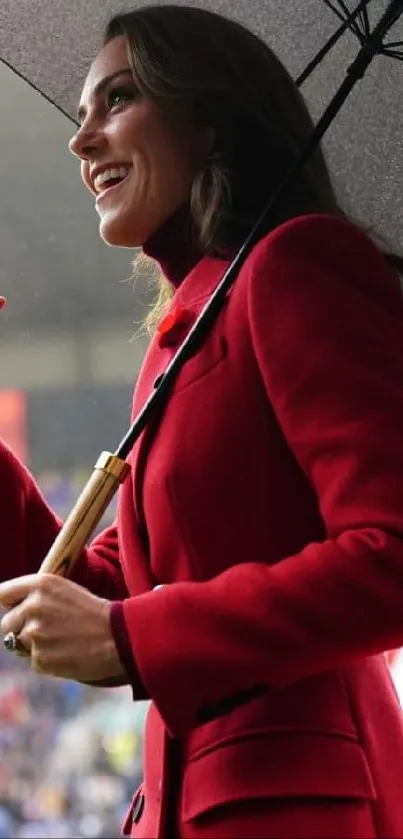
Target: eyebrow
x,y
101,86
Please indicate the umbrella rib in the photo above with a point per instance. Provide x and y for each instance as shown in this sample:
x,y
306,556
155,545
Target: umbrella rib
x,y
355,25
364,19
330,43
37,89
392,53
333,8
360,26
343,13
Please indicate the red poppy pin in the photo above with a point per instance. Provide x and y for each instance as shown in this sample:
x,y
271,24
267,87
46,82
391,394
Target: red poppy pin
x,y
174,326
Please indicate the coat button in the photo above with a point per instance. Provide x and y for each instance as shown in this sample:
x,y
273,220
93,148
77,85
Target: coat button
x,y
138,808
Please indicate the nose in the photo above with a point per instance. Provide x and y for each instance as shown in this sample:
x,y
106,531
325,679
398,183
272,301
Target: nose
x,y
86,141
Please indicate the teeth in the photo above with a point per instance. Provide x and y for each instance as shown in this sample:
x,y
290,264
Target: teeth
x,y
118,172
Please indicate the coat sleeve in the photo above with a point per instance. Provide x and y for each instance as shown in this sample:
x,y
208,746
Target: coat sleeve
x,y
326,322
29,527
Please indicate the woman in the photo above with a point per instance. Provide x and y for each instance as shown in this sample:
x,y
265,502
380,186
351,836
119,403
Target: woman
x,y
254,574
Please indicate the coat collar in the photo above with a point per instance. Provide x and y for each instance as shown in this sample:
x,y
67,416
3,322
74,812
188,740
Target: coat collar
x,y
193,276
187,303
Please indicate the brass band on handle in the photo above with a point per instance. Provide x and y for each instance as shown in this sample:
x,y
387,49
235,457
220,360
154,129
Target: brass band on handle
x,y
109,472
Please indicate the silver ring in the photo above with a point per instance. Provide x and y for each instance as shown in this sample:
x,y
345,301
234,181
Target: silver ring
x,y
13,644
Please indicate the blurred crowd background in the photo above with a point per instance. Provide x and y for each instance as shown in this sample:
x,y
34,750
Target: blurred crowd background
x,y
71,756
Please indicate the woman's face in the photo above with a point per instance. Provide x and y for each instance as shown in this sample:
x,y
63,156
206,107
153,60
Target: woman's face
x,y
138,166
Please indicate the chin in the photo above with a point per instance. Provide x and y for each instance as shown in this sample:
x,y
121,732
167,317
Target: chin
x,y
127,230
117,236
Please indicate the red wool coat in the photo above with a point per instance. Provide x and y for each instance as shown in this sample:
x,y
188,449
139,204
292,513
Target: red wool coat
x,y
269,501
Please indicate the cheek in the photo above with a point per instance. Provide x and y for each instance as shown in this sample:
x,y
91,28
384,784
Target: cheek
x,y
176,168
171,154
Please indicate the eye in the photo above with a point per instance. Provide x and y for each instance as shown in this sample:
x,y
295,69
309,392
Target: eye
x,y
119,96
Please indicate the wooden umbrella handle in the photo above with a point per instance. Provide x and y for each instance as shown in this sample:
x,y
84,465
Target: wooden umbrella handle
x,y
109,472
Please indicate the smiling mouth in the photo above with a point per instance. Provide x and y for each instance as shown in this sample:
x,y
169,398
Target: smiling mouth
x,y
110,179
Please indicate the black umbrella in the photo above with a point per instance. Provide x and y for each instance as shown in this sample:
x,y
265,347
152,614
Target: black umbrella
x,y
51,45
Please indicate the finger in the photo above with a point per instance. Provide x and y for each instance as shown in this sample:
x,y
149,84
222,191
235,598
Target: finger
x,y
23,649
30,636
13,591
14,620
23,639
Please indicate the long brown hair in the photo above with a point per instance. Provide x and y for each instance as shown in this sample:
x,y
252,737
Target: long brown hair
x,y
198,65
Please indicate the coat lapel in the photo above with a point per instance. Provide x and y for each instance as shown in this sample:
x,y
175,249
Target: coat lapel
x,y
182,313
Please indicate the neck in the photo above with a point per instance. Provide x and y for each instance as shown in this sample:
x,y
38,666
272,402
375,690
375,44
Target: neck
x,y
173,247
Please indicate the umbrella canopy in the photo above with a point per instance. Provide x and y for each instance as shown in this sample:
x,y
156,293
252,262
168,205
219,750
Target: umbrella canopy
x,y
52,42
